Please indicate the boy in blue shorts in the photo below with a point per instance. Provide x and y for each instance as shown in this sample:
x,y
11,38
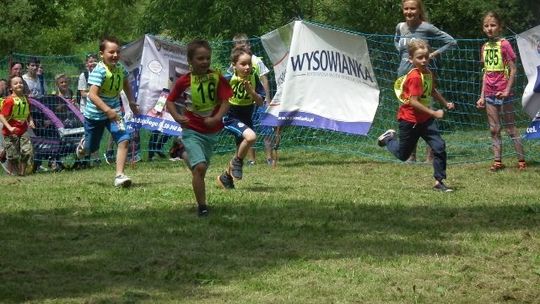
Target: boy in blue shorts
x,y
103,108
248,92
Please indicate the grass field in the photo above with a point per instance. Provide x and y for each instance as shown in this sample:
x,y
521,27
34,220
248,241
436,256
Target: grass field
x,y
320,228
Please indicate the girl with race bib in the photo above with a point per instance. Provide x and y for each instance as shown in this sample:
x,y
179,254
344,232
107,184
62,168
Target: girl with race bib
x,y
248,92
15,118
498,59
203,96
416,119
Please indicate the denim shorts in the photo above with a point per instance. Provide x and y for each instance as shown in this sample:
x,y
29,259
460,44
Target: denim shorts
x,y
494,101
93,132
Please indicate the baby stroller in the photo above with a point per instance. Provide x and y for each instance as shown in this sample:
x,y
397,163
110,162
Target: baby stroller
x,y
59,127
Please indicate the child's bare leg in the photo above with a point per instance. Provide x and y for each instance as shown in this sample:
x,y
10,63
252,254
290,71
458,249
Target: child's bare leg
x,y
513,132
245,145
268,147
121,156
251,154
13,166
199,188
429,154
495,130
412,157
22,168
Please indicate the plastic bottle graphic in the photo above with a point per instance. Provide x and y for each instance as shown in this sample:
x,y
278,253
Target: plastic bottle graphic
x,y
160,104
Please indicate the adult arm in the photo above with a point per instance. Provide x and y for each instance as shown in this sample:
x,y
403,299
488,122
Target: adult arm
x,y
436,34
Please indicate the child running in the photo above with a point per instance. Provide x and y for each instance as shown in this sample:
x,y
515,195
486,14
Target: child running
x,y
103,109
248,91
204,95
498,59
415,117
15,117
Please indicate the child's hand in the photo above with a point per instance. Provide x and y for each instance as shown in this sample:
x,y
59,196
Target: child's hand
x,y
211,121
502,95
247,86
481,103
181,119
31,124
450,105
111,114
12,129
438,114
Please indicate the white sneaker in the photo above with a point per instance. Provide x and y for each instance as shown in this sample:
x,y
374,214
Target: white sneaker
x,y
385,137
80,151
122,180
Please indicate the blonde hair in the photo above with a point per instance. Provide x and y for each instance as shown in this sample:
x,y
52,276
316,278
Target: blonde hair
x,y
241,38
422,11
416,44
59,76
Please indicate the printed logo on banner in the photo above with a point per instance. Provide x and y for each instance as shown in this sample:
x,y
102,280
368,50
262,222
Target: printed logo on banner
x,y
533,131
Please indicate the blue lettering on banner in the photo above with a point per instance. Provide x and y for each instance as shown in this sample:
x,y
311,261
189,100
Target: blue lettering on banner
x,y
331,61
533,131
155,124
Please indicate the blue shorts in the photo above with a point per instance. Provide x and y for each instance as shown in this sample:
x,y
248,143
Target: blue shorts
x,y
239,119
199,146
494,101
93,132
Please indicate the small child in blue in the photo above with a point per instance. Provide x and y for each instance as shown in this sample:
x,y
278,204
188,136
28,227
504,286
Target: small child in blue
x,y
103,109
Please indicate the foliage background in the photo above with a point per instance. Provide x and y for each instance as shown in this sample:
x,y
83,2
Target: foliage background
x,y
70,27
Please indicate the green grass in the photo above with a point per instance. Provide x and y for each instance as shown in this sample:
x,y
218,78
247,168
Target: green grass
x,y
320,228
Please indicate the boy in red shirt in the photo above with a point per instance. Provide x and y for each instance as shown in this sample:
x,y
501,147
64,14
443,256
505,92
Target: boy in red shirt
x,y
203,95
415,117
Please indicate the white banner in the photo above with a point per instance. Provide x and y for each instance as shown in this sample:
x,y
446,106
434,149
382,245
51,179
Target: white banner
x,y
529,51
154,65
326,78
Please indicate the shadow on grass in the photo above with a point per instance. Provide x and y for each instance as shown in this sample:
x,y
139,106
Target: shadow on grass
x,y
81,253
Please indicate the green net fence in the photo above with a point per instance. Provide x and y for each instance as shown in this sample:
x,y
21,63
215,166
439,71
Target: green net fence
x,y
465,129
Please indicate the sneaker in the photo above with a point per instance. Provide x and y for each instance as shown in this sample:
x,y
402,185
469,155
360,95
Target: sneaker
x,y
225,181
496,166
109,157
80,151
270,161
41,169
235,168
522,165
202,210
385,137
251,163
442,187
122,180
